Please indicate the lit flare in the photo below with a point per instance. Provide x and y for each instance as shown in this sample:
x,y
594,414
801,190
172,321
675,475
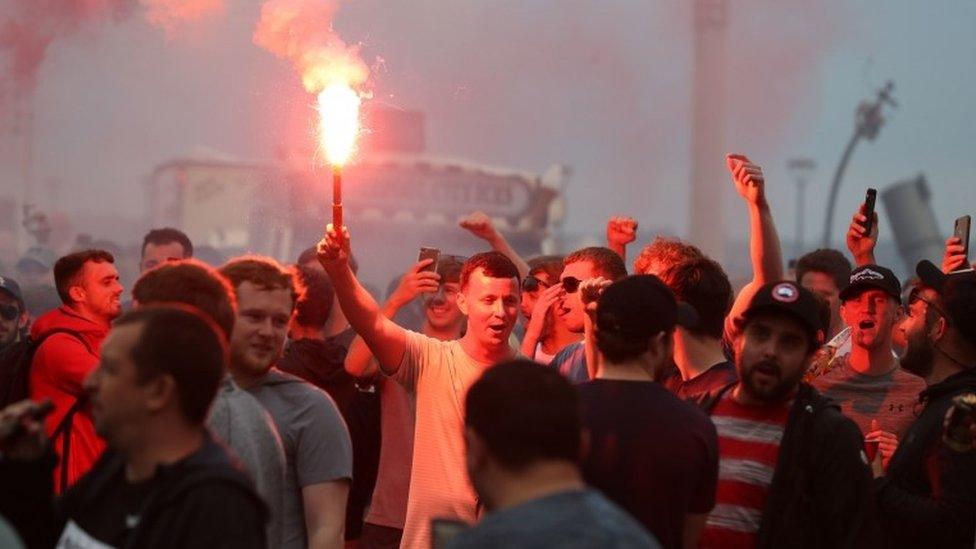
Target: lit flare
x,y
338,106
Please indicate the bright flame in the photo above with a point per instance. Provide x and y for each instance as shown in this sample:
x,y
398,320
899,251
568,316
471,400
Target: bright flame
x,y
301,31
339,121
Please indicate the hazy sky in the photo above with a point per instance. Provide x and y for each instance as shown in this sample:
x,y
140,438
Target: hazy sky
x,y
602,86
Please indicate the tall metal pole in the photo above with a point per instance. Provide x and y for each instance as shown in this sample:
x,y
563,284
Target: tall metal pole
x,y
801,169
835,186
867,123
708,175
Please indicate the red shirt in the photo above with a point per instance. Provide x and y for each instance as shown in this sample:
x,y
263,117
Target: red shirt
x,y
748,446
60,366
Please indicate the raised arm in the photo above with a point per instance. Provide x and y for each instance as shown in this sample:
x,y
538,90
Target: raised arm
x,y
860,241
621,231
480,225
764,247
359,359
385,339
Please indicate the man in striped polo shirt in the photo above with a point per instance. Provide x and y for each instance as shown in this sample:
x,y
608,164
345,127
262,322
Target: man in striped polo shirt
x,y
792,470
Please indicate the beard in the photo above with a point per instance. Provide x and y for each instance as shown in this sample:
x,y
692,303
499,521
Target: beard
x,y
919,355
778,391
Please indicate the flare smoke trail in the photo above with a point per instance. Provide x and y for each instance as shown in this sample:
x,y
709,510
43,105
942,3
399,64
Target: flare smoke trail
x,y
170,14
301,31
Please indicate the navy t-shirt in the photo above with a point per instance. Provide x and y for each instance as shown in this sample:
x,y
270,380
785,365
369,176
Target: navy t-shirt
x,y
650,453
571,363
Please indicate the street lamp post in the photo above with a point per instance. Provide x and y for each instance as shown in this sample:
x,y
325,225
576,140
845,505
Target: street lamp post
x,y
801,168
867,123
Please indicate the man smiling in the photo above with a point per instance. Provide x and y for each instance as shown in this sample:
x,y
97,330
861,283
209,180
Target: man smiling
x,y
439,372
89,288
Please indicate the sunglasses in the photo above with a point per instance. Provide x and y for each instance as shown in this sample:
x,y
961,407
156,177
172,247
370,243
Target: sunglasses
x,y
570,284
9,312
915,296
531,284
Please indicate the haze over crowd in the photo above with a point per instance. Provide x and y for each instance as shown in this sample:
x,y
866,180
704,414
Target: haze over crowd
x,y
603,87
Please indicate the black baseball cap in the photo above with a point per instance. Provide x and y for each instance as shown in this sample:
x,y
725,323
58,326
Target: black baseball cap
x,y
868,277
640,306
10,286
788,297
933,277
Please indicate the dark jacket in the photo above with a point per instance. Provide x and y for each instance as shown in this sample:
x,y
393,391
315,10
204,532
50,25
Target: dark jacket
x,y
821,493
201,501
928,496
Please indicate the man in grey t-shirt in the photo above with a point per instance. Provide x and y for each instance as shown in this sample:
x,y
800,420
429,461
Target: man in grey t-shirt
x,y
239,420
317,447
867,383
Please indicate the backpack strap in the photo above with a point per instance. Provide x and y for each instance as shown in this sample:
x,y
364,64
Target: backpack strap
x,y
36,344
64,429
64,426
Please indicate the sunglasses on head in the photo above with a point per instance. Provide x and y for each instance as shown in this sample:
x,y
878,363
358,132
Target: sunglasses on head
x,y
531,284
9,312
570,284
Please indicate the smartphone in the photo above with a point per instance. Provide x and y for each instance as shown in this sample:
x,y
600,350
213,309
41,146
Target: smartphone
x,y
869,199
961,231
429,253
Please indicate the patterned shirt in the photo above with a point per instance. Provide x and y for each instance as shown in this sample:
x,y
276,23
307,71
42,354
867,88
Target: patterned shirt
x,y
748,443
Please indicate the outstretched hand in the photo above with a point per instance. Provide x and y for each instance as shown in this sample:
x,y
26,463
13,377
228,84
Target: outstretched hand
x,y
748,178
955,255
480,225
621,230
333,250
861,241
416,281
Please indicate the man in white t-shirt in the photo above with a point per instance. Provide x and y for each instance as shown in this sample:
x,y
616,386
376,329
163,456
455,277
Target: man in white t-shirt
x,y
439,372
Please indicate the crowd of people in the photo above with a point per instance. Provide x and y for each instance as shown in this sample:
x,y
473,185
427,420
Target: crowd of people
x,y
559,401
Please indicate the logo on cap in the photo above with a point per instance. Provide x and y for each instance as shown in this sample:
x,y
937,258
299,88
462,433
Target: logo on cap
x,y
866,274
785,292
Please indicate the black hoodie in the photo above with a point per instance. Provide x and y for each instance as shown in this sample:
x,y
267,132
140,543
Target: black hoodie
x,y
928,496
820,495
201,501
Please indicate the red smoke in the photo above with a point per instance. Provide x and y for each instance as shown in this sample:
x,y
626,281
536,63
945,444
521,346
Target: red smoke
x,y
301,31
168,14
27,28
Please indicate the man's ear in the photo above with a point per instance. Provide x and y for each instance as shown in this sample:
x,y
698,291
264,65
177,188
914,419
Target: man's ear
x,y
462,303
23,320
939,329
160,392
842,311
77,293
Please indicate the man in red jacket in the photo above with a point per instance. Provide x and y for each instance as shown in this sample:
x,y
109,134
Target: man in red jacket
x,y
89,289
